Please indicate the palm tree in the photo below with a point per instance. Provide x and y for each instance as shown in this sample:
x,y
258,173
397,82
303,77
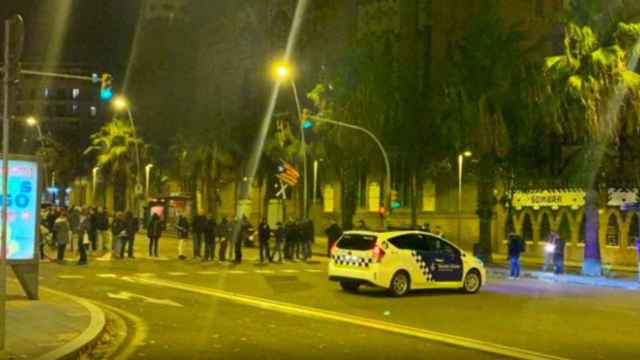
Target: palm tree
x,y
114,145
592,95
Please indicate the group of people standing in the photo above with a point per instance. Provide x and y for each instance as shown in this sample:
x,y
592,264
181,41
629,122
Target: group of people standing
x,y
553,257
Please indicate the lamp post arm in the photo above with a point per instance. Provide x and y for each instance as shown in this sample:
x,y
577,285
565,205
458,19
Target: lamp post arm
x,y
387,185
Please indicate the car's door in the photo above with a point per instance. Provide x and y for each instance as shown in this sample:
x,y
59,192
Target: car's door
x,y
405,256
446,260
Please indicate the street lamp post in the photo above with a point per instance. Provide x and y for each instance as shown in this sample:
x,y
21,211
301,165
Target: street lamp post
x,y
120,103
460,163
147,173
282,71
387,185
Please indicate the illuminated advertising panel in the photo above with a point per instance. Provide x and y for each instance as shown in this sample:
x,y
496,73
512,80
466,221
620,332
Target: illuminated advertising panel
x,y
23,209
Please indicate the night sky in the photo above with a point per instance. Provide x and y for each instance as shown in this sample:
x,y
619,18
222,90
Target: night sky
x,y
99,32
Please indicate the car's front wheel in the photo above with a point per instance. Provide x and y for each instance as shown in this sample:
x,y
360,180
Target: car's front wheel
x,y
350,286
472,282
400,284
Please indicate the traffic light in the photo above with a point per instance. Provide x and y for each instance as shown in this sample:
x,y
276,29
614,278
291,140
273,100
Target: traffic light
x,y
395,202
106,91
308,126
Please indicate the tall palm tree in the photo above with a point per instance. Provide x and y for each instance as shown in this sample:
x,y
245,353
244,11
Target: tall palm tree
x,y
114,145
592,101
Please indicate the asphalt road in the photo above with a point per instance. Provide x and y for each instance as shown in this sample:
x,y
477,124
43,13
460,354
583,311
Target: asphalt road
x,y
288,311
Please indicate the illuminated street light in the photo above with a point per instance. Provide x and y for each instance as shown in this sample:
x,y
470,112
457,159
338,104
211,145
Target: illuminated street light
x,y
147,171
461,157
120,103
31,121
282,71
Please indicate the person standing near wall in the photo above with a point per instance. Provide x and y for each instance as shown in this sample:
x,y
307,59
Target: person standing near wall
x,y
182,227
516,247
558,256
549,251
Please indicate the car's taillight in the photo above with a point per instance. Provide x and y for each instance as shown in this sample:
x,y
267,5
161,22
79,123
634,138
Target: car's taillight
x,y
378,253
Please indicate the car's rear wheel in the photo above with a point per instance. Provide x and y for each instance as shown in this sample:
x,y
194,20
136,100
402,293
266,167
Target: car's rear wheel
x,y
472,282
350,286
400,284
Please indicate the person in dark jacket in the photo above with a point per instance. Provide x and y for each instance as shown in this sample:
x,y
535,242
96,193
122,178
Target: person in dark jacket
x,y
93,229
210,239
333,233
264,233
516,247
558,256
279,235
62,231
182,227
290,233
132,228
119,234
199,229
102,223
82,232
154,231
222,238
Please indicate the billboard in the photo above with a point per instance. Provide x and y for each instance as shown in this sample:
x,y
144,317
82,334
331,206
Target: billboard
x,y
22,217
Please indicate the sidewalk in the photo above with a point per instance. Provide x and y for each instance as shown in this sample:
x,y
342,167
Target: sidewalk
x,y
57,326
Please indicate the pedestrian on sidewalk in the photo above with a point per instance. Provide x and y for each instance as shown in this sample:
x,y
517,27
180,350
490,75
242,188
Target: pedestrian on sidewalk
x,y
199,229
93,229
62,231
154,231
289,239
243,235
74,222
516,247
222,238
131,223
549,250
102,223
45,234
210,239
279,237
264,233
182,227
83,236
119,234
333,233
558,256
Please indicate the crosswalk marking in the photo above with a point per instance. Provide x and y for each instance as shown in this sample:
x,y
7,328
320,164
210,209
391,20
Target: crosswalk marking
x,y
208,272
67,277
177,273
107,276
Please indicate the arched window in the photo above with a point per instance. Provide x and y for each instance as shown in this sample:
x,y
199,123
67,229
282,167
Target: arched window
x,y
545,227
583,230
527,229
613,231
509,227
633,231
564,229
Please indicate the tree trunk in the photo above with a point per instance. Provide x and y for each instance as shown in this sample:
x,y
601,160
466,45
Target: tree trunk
x,y
592,264
414,199
486,203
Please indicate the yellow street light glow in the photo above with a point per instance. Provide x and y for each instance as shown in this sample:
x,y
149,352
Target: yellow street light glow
x,y
32,121
467,153
281,70
120,103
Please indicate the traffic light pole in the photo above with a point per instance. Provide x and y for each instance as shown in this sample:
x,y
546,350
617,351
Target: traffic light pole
x,y
305,195
387,185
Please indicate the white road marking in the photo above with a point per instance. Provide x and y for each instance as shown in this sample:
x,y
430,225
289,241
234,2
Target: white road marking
x,y
123,295
107,276
67,277
289,271
313,270
236,272
265,271
145,274
207,272
310,312
177,273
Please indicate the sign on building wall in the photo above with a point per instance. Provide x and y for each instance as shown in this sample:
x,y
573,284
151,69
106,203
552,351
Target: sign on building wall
x,y
622,198
554,199
22,215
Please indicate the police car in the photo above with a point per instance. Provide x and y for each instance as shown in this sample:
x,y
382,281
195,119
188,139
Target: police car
x,y
401,261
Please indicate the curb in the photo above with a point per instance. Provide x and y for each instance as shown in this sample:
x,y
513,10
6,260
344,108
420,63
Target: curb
x,y
578,280
87,338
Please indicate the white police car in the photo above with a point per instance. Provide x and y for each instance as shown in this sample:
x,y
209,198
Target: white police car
x,y
403,260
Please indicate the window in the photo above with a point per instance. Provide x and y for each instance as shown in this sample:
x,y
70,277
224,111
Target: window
x,y
527,229
93,111
429,196
634,230
357,242
613,232
76,93
373,194
327,198
405,242
46,92
565,228
545,227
